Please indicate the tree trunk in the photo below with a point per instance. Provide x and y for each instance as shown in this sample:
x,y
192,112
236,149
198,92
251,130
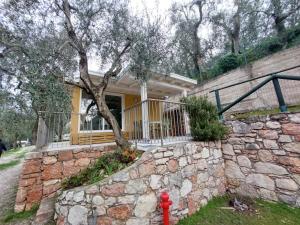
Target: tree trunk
x,y
278,17
279,26
236,45
34,131
236,31
109,117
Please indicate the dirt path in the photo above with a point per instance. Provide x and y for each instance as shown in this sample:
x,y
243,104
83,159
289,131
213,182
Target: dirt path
x,y
8,188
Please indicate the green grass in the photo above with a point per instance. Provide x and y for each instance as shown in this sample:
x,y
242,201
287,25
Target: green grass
x,y
18,152
265,213
4,166
264,112
105,166
13,216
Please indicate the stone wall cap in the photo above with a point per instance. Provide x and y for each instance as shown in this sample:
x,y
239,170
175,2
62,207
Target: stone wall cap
x,y
33,155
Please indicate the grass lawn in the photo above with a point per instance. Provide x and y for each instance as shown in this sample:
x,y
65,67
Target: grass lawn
x,y
12,216
17,152
264,112
4,166
265,213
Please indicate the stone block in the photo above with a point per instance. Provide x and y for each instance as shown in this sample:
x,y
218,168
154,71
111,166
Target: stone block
x,y
291,128
146,205
173,165
241,127
273,125
270,144
65,155
136,186
146,169
265,155
78,215
232,170
120,212
261,180
292,147
82,162
284,139
257,125
287,184
269,168
53,171
31,166
49,160
244,161
113,189
268,134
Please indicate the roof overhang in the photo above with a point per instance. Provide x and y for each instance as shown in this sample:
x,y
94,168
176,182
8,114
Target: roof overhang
x,y
158,85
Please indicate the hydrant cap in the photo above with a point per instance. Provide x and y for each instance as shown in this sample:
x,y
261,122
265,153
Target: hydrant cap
x,y
164,196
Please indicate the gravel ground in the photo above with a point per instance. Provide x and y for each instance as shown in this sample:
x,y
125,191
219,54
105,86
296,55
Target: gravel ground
x,y
8,188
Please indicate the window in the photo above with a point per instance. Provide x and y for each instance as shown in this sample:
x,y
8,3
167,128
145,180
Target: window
x,y
89,116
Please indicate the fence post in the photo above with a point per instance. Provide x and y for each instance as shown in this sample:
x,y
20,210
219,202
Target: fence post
x,y
219,106
282,105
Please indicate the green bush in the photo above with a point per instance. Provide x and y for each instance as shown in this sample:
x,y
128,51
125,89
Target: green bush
x,y
228,62
204,122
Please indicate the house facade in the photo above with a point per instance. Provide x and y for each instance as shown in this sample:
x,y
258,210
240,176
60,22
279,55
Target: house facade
x,y
143,110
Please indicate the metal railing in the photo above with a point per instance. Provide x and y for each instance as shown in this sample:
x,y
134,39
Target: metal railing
x,y
275,78
63,129
156,121
152,121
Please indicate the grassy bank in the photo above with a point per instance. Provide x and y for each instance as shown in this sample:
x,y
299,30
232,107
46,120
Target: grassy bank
x,y
4,166
264,112
217,212
105,166
13,216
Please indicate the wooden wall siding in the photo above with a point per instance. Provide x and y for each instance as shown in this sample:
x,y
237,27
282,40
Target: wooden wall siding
x,y
95,137
75,115
98,138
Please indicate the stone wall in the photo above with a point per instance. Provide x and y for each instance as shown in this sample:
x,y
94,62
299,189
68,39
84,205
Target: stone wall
x,y
191,172
262,158
265,97
43,172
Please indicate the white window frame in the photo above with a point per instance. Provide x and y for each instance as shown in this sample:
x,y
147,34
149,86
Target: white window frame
x,y
103,131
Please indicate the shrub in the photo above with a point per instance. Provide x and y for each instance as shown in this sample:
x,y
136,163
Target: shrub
x,y
228,62
204,122
105,166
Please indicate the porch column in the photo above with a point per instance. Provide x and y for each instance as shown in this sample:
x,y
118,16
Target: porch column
x,y
145,118
186,117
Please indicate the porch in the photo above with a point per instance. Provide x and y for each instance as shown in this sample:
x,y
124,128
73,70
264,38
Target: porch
x,y
143,110
147,124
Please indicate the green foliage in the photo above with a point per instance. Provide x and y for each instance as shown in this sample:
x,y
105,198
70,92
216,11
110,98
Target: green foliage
x,y
204,119
265,47
216,212
15,126
228,63
13,216
105,166
4,166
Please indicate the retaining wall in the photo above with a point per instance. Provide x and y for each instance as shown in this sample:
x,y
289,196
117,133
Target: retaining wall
x,y
43,172
192,173
262,158
264,97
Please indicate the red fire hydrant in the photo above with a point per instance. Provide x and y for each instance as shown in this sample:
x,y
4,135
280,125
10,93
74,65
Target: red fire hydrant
x,y
165,205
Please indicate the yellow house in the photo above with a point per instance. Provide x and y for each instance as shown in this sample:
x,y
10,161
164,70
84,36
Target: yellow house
x,y
139,107
143,109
